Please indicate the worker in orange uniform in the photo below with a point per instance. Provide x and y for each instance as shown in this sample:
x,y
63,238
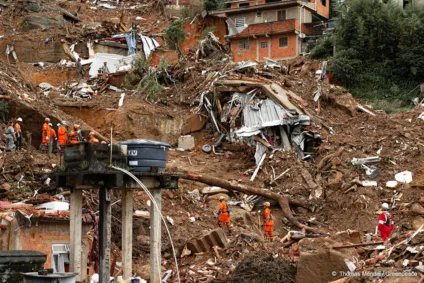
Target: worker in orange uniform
x,y
53,138
74,135
92,139
62,135
224,214
18,133
45,136
385,222
268,221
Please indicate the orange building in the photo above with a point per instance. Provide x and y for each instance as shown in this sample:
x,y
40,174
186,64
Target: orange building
x,y
276,29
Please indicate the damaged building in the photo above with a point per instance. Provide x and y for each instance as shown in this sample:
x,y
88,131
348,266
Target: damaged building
x,y
273,29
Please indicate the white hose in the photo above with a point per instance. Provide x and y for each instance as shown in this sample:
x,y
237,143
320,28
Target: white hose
x,y
160,213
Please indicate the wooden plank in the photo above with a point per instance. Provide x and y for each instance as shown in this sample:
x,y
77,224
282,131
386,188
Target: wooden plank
x,y
127,231
273,91
357,245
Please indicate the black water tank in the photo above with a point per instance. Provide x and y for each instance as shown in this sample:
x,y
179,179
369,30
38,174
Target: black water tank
x,y
146,155
14,263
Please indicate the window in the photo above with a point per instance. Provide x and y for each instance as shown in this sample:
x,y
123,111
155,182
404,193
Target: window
x,y
258,14
264,45
60,257
324,2
241,5
283,42
282,15
244,44
240,22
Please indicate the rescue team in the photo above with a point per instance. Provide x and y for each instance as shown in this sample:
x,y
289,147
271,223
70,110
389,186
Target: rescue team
x,y
62,138
385,221
49,136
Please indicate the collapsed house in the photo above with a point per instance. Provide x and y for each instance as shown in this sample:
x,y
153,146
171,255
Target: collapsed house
x,y
260,114
44,228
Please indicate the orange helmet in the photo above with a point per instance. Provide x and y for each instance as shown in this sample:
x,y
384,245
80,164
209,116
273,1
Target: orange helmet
x,y
76,126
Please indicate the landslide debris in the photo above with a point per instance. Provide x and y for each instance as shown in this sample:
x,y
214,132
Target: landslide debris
x,y
263,268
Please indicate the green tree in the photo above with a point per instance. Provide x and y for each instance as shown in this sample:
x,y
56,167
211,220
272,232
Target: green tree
x,y
175,36
210,5
410,59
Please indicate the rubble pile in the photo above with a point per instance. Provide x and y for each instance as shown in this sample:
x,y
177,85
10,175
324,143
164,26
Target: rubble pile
x,y
278,128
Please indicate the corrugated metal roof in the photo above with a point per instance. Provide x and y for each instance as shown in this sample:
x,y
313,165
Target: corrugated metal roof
x,y
259,114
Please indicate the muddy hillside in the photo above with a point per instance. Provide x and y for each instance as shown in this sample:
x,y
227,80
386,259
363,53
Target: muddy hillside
x,y
271,139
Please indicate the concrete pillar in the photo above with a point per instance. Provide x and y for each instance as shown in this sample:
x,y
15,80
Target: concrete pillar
x,y
127,232
155,238
75,230
105,234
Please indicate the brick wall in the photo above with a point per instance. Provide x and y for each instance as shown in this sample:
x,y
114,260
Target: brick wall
x,y
41,236
323,10
270,27
283,52
257,53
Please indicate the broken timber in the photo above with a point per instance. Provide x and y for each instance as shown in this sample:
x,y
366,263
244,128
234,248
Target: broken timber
x,y
283,201
273,91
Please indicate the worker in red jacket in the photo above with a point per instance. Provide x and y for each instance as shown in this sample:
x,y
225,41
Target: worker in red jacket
x,y
385,222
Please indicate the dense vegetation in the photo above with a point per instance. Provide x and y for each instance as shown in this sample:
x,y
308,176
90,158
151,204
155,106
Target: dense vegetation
x,y
379,50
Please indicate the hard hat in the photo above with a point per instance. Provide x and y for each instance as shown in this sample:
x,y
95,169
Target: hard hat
x,y
221,198
91,134
58,124
19,119
50,124
76,126
47,120
63,122
385,205
267,203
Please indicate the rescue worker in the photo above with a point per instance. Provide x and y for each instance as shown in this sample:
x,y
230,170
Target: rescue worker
x,y
223,214
45,136
385,222
268,221
74,136
92,139
79,68
62,135
104,69
10,137
53,138
18,133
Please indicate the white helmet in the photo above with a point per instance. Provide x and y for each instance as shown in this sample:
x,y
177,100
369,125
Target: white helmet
x,y
50,124
58,124
221,198
385,206
19,119
63,122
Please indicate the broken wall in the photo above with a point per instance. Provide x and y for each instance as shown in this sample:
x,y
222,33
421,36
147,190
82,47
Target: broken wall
x,y
32,51
41,236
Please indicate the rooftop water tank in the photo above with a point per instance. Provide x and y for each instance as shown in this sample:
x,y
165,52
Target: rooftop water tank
x,y
67,277
146,155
